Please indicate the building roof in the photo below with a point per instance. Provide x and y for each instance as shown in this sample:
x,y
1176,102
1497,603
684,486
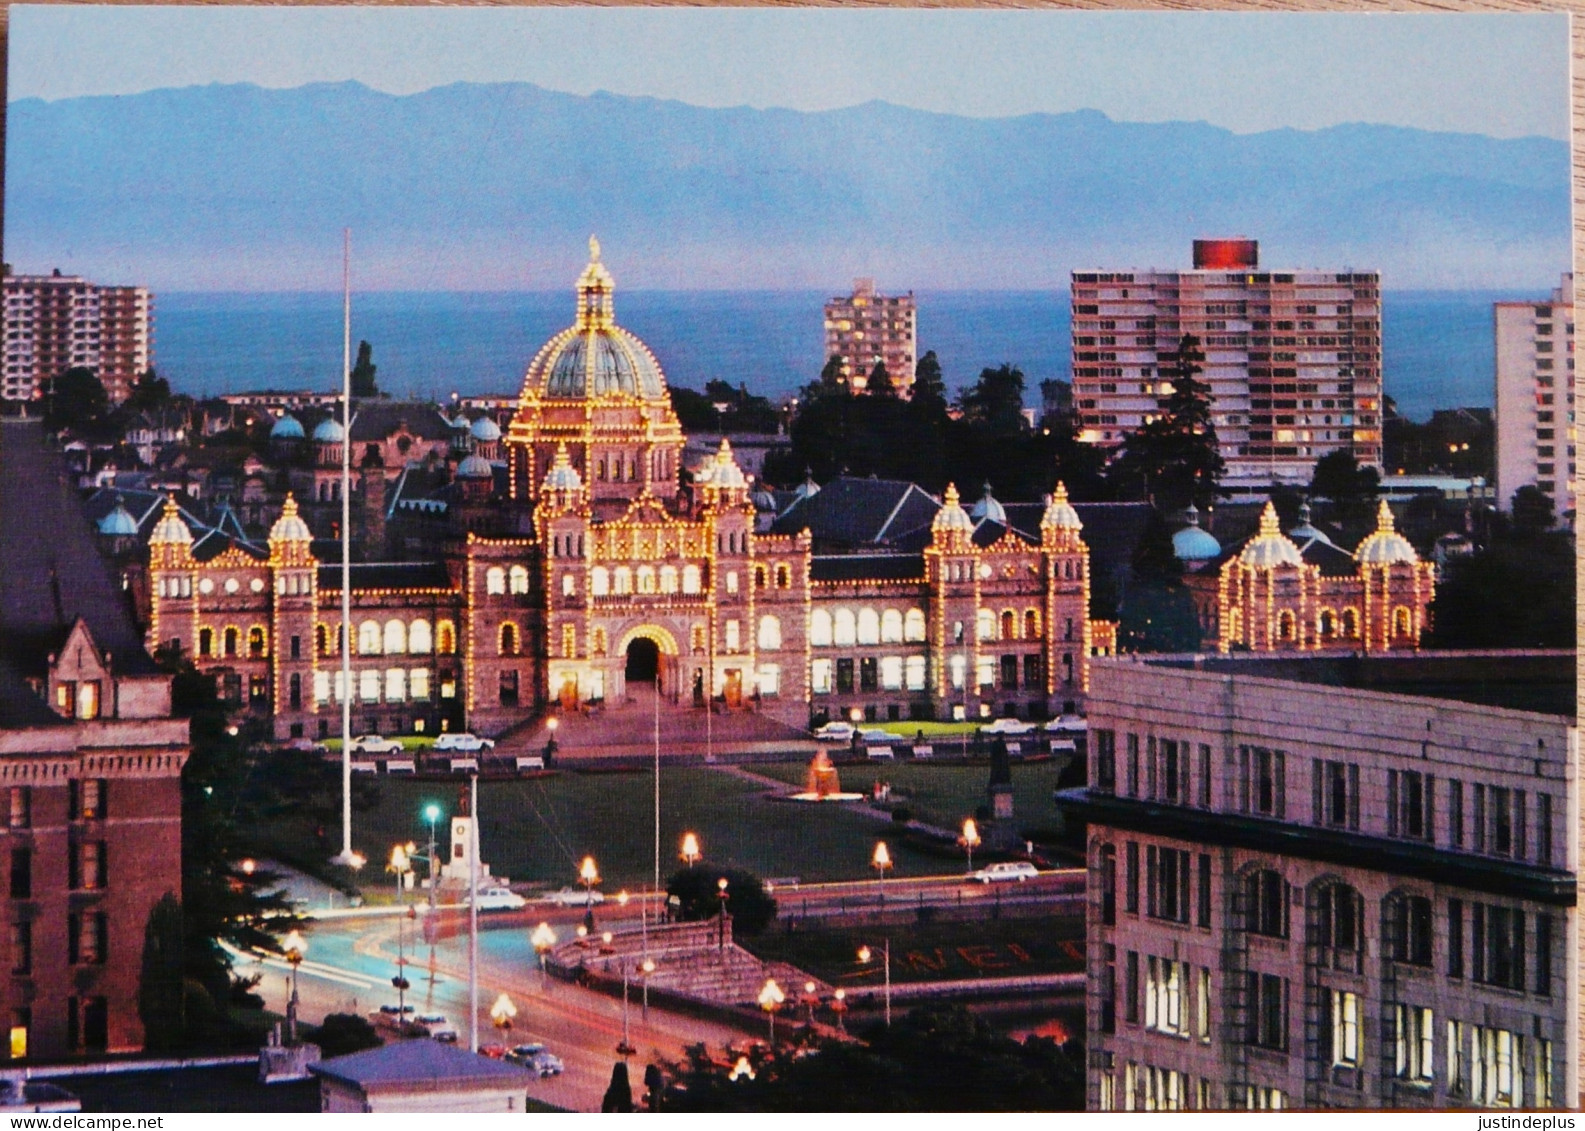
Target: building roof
x,y
856,512
51,570
375,420
867,567
420,1065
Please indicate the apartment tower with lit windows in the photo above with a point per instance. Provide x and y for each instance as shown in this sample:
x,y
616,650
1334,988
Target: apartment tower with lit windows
x,y
865,327
1535,397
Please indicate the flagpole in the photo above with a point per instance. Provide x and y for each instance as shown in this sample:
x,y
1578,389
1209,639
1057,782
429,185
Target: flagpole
x,y
347,856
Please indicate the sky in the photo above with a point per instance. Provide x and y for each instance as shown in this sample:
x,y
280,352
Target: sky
x,y
1300,70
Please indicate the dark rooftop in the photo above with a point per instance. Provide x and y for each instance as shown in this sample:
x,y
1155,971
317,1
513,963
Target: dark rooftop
x,y
867,567
1540,681
420,1063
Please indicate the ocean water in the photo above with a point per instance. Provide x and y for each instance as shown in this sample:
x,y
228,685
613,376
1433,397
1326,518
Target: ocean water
x,y
1438,345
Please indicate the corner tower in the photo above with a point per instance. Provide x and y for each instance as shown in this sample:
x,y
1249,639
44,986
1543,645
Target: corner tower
x,y
599,390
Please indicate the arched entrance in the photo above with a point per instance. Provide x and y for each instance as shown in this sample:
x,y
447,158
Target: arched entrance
x,y
643,660
648,658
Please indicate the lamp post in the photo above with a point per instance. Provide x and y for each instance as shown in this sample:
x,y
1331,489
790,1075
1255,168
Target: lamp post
x,y
550,743
400,865
881,861
811,999
625,1049
690,850
543,939
431,814
723,896
865,955
970,839
839,1006
296,947
645,969
590,875
770,999
501,1014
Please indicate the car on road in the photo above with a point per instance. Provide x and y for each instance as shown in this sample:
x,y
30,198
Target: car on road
x,y
874,736
374,744
440,1029
305,745
500,899
572,897
835,732
537,1058
467,743
1067,724
1006,871
1010,726
391,1009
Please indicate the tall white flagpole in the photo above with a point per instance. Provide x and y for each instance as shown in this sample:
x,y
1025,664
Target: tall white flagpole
x,y
347,856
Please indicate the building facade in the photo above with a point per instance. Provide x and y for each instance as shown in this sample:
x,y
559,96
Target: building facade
x,y
1331,882
1293,358
582,559
1535,397
58,322
865,328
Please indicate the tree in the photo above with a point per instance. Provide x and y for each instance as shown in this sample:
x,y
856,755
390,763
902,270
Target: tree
x,y
996,401
619,1093
929,387
699,897
162,990
151,393
343,1033
880,382
1175,459
1533,512
76,399
831,379
363,372
1351,488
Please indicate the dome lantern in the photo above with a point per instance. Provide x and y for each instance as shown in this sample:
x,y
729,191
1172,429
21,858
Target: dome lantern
x,y
1270,548
1060,515
1384,546
1192,544
119,523
288,427
988,509
952,523
290,527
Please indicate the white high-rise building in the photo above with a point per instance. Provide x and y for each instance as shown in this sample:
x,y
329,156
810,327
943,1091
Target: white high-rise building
x,y
1535,397
1293,358
58,322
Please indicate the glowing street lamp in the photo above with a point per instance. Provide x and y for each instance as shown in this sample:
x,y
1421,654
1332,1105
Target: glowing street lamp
x,y
811,999
770,1000
839,1006
881,861
721,894
501,1014
645,969
690,849
865,955
741,1070
543,939
970,839
590,875
432,814
296,947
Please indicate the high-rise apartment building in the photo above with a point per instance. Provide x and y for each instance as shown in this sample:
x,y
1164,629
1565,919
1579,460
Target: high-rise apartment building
x,y
1331,881
1293,358
58,322
1535,397
866,327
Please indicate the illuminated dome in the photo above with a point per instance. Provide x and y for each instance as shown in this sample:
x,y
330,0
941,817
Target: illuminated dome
x,y
988,509
1060,514
119,523
1270,548
562,476
290,527
329,431
1385,546
721,470
952,516
287,427
1191,544
475,467
170,529
486,431
594,357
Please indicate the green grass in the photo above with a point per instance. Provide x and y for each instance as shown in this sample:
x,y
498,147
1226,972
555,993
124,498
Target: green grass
x,y
931,730
537,830
941,794
408,741
992,948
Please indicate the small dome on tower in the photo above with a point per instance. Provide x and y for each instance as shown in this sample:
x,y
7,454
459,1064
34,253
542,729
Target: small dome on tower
x,y
1384,545
808,489
1192,544
329,431
562,476
119,523
988,509
485,430
290,527
763,499
1305,533
951,516
1270,547
1060,514
170,530
475,467
287,427
460,422
721,471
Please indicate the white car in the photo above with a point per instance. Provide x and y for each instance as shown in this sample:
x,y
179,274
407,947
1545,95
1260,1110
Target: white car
x,y
835,732
1010,726
439,1028
1009,870
468,743
500,899
572,897
1067,724
374,744
876,737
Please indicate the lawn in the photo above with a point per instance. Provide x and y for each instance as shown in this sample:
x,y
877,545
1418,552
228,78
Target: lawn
x,y
537,830
942,794
991,948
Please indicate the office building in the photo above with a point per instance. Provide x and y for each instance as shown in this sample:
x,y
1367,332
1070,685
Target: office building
x,y
1535,397
1292,358
58,322
865,328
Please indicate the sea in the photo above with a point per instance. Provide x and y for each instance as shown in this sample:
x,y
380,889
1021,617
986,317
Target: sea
x,y
1438,347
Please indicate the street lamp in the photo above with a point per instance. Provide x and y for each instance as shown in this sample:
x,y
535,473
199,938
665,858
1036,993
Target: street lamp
x,y
590,875
501,1014
881,861
811,999
839,1006
690,849
431,814
970,839
865,955
296,947
645,969
721,894
543,939
626,1048
770,1000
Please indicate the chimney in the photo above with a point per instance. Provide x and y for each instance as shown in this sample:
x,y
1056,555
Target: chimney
x,y
372,472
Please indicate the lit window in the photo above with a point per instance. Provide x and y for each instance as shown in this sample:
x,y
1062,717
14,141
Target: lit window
x,y
623,579
1415,1037
519,579
599,581
418,683
395,637
914,626
732,640
869,627
495,580
985,625
395,685
369,637
668,579
418,637
769,633
690,579
369,686
845,627
891,673
646,579
769,679
819,628
820,677
1345,1029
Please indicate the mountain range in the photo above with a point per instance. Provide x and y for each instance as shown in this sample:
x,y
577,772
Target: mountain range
x,y
498,186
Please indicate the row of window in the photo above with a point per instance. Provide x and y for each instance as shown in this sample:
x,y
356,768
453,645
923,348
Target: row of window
x,y
87,800
87,941
86,868
394,685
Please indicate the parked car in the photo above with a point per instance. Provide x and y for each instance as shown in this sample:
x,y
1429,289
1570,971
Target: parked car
x,y
1067,724
467,743
1007,870
835,732
440,1029
537,1058
500,899
305,745
874,736
572,897
391,1009
374,744
1010,726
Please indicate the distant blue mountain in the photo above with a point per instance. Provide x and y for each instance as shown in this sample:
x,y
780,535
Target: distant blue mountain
x,y
475,186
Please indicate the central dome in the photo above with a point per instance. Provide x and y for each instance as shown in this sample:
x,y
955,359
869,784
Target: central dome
x,y
594,357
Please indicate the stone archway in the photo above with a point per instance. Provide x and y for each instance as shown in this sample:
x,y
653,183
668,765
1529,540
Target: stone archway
x,y
649,655
643,660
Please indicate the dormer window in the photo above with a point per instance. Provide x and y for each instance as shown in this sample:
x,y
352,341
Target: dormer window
x,y
88,702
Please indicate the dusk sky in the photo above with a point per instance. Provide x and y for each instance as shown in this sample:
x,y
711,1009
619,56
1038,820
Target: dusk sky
x,y
1500,75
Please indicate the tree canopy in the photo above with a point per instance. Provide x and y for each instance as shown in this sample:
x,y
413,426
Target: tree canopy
x,y
698,896
1173,459
1352,489
363,370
